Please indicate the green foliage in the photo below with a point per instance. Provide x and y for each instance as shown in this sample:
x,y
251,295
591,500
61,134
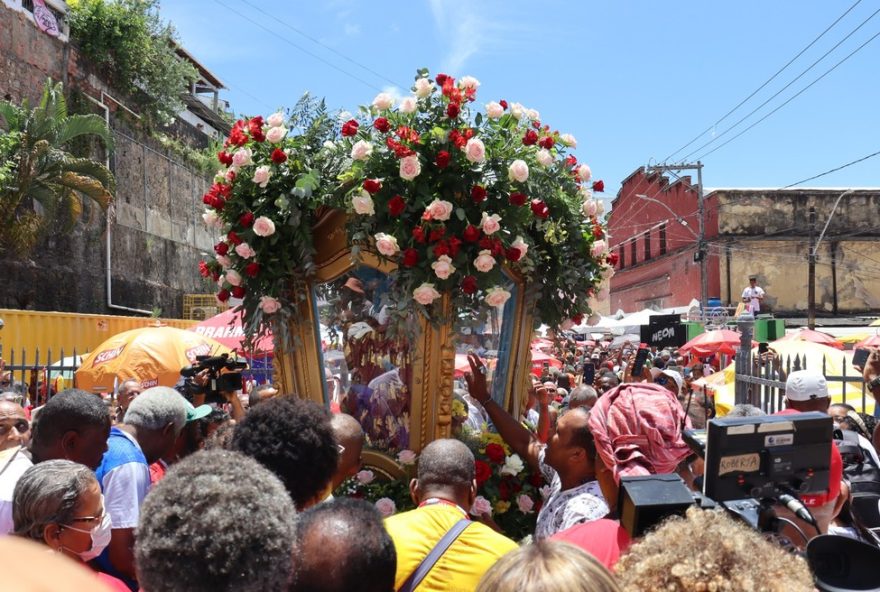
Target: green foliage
x,y
129,42
41,182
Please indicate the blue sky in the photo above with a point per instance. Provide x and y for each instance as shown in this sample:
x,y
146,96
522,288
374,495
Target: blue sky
x,y
632,80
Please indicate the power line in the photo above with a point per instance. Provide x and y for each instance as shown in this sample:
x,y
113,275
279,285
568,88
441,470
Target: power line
x,y
796,95
297,46
766,82
834,170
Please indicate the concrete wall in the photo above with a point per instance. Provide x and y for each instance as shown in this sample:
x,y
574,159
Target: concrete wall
x,y
157,235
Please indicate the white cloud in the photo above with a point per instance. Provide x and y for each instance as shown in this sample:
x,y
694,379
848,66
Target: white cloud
x,y
469,28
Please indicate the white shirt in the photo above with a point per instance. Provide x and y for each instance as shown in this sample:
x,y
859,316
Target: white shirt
x,y
564,509
753,294
125,488
14,469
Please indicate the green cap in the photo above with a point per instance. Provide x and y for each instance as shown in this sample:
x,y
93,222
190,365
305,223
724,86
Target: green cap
x,y
194,413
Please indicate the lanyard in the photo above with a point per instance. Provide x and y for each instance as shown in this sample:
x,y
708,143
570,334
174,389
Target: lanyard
x,y
433,501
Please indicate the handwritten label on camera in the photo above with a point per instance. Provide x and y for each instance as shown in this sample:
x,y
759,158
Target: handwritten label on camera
x,y
740,463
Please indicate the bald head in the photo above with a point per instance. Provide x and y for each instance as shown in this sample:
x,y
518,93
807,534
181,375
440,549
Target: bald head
x,y
446,463
349,434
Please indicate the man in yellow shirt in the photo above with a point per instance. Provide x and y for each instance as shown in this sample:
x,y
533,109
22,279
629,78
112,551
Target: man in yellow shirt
x,y
444,488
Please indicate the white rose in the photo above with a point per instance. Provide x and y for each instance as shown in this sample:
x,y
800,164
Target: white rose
x,y
410,167
386,244
494,110
361,150
584,173
568,140
497,296
469,82
363,204
329,145
261,176
513,466
424,87
545,159
600,207
443,267
439,210
520,244
475,150
408,105
518,171
211,219
276,134
425,294
590,208
276,119
383,101
517,110
484,261
233,277
242,157
490,224
533,114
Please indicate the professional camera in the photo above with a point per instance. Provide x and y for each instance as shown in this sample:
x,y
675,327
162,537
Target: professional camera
x,y
230,380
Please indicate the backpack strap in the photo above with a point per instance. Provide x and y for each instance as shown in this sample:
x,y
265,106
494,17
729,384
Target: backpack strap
x,y
434,556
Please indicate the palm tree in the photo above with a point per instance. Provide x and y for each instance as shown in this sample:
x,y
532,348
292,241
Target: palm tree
x,y
40,181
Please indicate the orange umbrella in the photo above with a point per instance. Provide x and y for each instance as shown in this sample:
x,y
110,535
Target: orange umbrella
x,y
813,336
872,341
720,341
152,355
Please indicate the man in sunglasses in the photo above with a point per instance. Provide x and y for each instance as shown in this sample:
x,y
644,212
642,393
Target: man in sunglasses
x,y
15,432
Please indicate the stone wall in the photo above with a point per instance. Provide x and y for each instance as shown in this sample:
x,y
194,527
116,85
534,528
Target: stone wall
x,y
156,230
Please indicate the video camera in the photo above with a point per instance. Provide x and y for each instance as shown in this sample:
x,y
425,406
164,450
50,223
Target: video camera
x,y
217,382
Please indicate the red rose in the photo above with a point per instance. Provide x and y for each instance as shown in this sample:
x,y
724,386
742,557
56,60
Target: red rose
x,y
478,193
597,231
441,79
571,160
442,159
530,138
234,238
382,124
224,158
503,104
349,128
230,176
452,110
258,136
221,248
546,142
504,490
238,291
372,186
237,135
454,245
457,138
469,284
536,124
513,254
613,258
223,295
418,234
396,205
471,234
252,269
495,452
518,199
215,275
497,248
410,257
440,249
204,270
437,234
536,479
577,319
599,186
540,209
482,472
486,243
278,156
207,199
246,219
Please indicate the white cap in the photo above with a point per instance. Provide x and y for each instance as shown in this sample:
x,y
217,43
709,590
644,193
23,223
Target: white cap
x,y
805,385
679,381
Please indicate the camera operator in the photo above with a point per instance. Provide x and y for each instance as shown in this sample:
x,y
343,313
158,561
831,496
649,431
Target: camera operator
x,y
215,380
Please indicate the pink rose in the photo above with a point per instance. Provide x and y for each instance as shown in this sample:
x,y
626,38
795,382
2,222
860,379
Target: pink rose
x,y
233,277
590,208
566,325
276,134
424,87
386,507
364,477
490,224
410,167
484,261
469,82
568,140
224,261
242,157
386,244
363,204
481,506
406,457
520,244
439,210
269,305
443,267
361,150
475,151
244,251
545,159
276,119
598,249
425,294
525,504
383,101
408,105
497,296
518,171
211,219
494,110
584,173
264,226
533,114
261,176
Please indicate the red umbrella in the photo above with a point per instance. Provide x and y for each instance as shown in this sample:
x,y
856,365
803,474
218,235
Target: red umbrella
x,y
814,336
226,328
872,341
721,341
538,359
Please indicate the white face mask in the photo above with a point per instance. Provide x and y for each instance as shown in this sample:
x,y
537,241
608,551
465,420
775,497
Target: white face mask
x,y
100,538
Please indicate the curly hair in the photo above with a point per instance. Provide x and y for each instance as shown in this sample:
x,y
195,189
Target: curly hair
x,y
292,438
708,550
218,521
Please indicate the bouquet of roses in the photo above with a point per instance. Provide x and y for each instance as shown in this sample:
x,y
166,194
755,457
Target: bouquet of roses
x,y
461,200
389,496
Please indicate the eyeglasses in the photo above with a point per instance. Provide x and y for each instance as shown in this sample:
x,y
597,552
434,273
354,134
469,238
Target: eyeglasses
x,y
662,380
21,425
96,518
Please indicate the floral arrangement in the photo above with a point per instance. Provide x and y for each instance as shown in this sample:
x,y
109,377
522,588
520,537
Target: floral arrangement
x,y
389,497
262,201
454,196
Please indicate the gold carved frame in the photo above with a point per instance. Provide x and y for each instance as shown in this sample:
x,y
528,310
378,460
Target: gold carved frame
x,y
300,372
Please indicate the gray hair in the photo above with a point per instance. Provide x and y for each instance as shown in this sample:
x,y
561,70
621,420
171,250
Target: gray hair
x,y
47,493
121,387
156,407
745,410
583,395
217,521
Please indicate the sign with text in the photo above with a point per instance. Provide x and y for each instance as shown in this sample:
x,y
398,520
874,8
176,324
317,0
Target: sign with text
x,y
665,331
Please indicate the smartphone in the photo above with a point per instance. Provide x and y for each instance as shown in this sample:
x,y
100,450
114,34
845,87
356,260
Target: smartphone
x,y
589,373
763,347
639,362
860,357
563,381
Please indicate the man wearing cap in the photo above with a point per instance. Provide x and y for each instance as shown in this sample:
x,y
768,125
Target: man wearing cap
x,y
190,440
753,295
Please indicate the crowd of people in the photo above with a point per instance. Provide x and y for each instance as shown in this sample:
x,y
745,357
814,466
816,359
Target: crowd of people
x,y
158,491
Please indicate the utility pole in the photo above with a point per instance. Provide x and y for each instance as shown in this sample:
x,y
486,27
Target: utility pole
x,y
701,255
811,273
